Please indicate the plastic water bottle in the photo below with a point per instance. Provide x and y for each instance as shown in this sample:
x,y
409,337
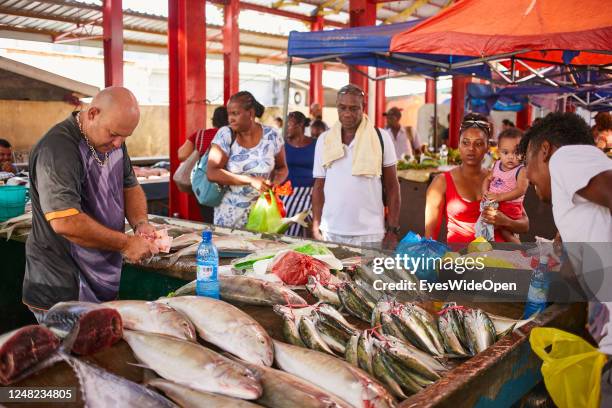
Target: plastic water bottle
x,y
538,289
207,261
443,155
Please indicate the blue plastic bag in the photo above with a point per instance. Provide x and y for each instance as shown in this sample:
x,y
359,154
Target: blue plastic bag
x,y
413,246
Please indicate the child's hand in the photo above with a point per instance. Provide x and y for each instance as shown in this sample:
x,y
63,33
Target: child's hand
x,y
492,196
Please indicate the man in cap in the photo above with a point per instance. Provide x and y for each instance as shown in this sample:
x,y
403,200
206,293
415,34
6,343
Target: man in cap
x,y
398,133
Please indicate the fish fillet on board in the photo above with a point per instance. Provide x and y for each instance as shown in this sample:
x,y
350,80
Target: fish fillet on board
x,y
227,327
193,365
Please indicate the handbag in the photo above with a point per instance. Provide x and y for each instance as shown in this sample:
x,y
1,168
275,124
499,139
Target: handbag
x,y
182,175
207,192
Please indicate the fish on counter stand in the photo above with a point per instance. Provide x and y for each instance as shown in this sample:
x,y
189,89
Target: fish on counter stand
x,y
291,323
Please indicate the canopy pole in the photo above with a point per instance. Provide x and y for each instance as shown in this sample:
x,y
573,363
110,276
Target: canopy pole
x,y
435,107
286,102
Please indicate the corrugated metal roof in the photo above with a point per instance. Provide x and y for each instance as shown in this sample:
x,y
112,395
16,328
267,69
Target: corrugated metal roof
x,y
61,21
70,20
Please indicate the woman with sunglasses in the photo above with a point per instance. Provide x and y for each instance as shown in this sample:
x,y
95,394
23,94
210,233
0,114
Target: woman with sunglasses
x,y
457,194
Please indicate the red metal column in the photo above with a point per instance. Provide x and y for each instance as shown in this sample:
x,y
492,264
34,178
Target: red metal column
x,y
430,90
231,49
316,70
457,108
112,26
362,13
381,100
187,66
523,117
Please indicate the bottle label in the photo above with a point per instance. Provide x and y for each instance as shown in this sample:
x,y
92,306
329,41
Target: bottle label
x,y
538,291
206,272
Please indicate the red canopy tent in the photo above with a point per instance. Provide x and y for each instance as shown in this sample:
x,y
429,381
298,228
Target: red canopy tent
x,y
525,28
563,44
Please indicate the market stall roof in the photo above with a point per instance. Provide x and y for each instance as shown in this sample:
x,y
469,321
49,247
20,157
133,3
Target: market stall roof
x,y
20,81
369,46
483,28
564,45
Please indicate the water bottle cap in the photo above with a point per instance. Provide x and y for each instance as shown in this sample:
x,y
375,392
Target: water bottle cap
x,y
207,235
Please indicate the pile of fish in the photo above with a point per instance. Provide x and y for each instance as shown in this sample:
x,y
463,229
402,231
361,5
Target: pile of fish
x,y
395,362
318,327
404,369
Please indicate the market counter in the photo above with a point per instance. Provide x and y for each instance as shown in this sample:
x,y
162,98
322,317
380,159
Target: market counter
x,y
497,377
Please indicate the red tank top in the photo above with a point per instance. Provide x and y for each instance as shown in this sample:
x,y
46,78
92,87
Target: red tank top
x,y
461,215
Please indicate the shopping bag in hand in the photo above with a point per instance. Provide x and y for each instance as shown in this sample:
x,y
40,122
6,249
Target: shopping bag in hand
x,y
483,229
284,189
571,367
265,216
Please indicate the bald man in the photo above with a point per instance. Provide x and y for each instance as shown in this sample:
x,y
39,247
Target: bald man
x,y
82,188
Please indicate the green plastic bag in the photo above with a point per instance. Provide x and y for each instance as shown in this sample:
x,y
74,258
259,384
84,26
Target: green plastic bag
x,y
265,215
571,367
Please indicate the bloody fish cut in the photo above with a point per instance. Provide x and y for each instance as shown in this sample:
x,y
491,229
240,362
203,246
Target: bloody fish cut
x,y
90,326
22,348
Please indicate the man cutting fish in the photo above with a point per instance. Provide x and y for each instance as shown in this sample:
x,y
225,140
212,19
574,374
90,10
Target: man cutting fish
x,y
82,190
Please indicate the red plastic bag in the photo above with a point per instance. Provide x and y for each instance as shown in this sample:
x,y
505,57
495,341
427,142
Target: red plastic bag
x,y
294,268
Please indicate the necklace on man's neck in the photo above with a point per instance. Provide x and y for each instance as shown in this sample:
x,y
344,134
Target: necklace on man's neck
x,y
93,150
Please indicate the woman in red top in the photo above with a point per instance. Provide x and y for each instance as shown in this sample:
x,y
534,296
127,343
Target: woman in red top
x,y
456,194
201,139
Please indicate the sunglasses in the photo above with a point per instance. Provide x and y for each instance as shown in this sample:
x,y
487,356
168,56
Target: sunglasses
x,y
350,89
480,124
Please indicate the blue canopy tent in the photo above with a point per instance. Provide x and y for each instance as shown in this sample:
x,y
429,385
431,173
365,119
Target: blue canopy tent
x,y
369,46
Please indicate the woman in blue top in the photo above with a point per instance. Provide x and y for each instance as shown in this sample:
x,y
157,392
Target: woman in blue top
x,y
250,164
300,152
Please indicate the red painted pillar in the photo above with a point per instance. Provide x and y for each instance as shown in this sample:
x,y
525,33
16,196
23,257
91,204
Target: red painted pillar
x,y
316,71
231,49
457,108
187,69
112,26
381,100
430,90
523,117
362,13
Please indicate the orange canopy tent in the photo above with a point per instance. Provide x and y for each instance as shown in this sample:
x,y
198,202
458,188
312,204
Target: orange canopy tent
x,y
538,30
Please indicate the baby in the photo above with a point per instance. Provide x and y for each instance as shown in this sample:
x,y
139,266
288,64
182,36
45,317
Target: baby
x,y
507,183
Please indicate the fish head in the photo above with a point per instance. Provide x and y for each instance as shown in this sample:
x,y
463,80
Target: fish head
x,y
239,381
266,356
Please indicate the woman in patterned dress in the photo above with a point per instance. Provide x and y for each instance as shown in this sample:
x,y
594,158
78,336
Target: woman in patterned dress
x,y
250,162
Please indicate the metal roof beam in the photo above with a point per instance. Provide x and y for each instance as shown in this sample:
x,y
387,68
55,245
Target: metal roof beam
x,y
277,12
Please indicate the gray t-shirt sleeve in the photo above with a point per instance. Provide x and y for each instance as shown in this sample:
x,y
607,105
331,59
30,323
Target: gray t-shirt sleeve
x,y
58,179
129,178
